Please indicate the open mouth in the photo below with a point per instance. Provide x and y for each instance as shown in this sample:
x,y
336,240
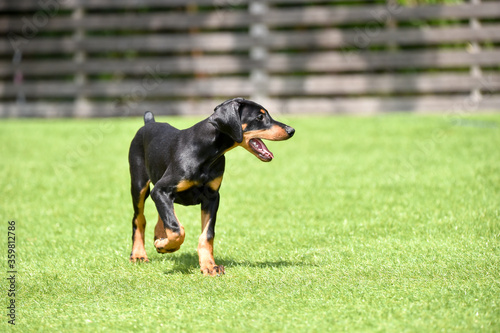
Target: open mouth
x,y
261,150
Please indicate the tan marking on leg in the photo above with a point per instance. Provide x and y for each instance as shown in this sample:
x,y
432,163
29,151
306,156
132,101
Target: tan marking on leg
x,y
159,229
185,185
167,241
138,250
206,250
215,184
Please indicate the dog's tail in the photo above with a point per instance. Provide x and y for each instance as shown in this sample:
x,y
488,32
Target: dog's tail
x,y
149,117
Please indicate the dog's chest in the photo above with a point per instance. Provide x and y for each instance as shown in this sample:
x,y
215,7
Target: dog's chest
x,y
204,172
198,193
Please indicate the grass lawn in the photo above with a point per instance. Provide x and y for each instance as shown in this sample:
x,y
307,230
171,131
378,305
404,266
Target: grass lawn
x,y
375,224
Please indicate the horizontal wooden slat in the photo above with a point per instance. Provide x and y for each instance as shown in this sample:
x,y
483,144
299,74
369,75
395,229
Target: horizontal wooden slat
x,y
137,21
128,21
385,60
334,38
275,17
148,43
219,42
129,4
277,85
115,4
317,62
378,84
108,109
329,15
452,106
144,88
140,66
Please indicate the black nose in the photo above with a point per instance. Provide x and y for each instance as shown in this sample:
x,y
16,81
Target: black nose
x,y
290,131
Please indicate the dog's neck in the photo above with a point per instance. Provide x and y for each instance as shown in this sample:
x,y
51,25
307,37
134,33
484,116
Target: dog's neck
x,y
214,143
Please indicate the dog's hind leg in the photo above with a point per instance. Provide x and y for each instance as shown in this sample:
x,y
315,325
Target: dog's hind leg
x,y
139,223
140,191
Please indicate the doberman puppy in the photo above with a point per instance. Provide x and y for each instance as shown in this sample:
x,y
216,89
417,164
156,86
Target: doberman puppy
x,y
186,167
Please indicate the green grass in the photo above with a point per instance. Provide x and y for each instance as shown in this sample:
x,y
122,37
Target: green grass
x,y
374,224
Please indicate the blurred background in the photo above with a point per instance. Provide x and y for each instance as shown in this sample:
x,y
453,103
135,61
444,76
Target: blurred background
x,y
95,58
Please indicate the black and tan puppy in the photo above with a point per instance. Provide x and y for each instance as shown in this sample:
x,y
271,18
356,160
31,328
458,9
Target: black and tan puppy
x,y
186,167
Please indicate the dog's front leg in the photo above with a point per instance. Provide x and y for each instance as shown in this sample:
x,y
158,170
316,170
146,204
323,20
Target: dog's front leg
x,y
169,232
209,208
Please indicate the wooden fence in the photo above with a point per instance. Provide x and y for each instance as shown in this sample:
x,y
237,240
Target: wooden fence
x,y
122,57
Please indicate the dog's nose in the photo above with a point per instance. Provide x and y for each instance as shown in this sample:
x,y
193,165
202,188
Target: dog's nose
x,y
290,131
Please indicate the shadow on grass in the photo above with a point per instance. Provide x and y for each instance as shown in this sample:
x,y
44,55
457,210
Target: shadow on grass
x,y
187,263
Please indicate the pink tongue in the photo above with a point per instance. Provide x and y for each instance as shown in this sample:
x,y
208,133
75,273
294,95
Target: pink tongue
x,y
261,148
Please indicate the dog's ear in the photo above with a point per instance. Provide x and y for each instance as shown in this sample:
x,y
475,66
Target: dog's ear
x,y
226,118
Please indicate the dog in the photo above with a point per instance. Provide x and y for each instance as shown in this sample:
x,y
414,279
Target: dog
x,y
186,167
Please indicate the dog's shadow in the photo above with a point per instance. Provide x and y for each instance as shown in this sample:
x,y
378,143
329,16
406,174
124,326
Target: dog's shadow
x,y
187,263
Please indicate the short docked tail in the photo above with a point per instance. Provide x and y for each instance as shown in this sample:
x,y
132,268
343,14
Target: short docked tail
x,y
149,117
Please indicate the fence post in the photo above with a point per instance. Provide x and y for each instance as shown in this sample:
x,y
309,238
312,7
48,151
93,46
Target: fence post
x,y
475,48
18,77
192,8
81,103
258,53
391,24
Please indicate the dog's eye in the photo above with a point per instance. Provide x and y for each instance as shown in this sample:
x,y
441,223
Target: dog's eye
x,y
260,117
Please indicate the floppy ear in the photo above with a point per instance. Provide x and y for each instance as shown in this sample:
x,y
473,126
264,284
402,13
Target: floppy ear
x,y
226,119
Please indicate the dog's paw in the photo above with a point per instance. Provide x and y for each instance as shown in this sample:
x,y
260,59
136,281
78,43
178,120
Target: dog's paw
x,y
213,271
170,244
163,245
138,258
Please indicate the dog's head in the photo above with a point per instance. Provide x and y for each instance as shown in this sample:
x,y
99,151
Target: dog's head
x,y
248,123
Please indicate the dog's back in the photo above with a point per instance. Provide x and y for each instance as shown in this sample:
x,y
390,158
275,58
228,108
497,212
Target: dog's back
x,y
150,139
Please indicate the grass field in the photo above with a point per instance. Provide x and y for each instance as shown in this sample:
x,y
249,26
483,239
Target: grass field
x,y
376,224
